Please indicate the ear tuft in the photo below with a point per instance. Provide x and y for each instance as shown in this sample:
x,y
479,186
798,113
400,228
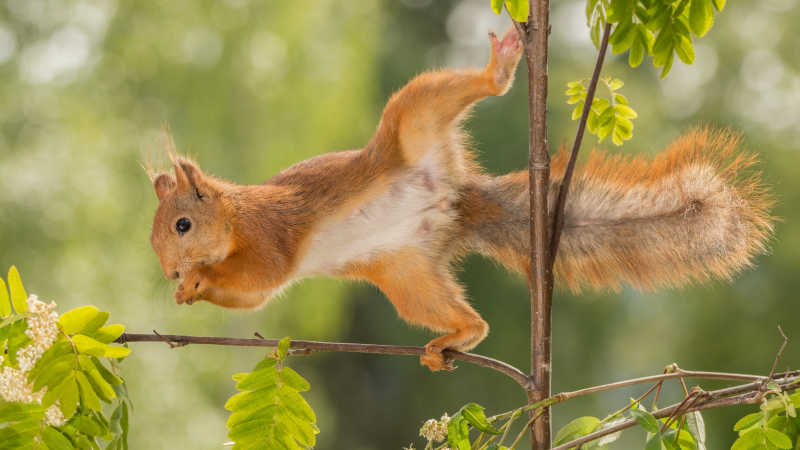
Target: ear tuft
x,y
195,179
164,183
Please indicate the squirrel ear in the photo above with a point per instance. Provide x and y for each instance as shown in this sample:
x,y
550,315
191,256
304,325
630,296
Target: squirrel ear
x,y
193,179
164,183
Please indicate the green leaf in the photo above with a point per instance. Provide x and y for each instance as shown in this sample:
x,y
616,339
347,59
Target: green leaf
x,y
254,400
458,433
303,432
626,111
697,427
116,351
109,333
283,347
778,439
5,302
19,298
752,439
86,426
621,10
60,348
667,65
497,6
55,372
296,404
89,346
576,428
578,111
701,16
646,420
15,339
76,320
106,374
654,442
719,4
294,380
518,10
684,49
68,402
591,6
54,393
614,83
55,440
258,379
88,396
748,421
473,413
100,385
627,34
636,55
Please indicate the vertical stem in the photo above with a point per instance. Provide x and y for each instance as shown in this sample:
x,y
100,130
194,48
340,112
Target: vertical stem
x,y
536,33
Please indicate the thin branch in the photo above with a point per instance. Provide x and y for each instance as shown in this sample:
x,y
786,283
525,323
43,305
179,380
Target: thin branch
x,y
780,352
307,347
557,217
746,394
677,373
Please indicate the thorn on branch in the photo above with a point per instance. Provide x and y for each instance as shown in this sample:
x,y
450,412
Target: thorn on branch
x,y
171,343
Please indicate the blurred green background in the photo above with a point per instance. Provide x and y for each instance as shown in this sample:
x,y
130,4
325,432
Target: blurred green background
x,y
249,87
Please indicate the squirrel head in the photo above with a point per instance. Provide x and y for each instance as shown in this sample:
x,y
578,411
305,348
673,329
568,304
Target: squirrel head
x,y
191,226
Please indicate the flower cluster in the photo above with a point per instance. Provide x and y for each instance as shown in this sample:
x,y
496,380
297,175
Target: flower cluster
x,y
435,430
43,331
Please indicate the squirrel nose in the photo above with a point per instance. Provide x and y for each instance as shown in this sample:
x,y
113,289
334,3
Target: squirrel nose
x,y
175,275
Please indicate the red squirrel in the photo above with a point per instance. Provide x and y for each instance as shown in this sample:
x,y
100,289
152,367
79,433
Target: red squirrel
x,y
401,211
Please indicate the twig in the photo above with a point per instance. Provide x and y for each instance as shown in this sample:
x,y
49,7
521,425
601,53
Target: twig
x,y
171,342
557,217
780,352
307,347
534,416
742,395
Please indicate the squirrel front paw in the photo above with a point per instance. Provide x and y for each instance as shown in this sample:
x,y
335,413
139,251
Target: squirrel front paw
x,y
191,288
435,360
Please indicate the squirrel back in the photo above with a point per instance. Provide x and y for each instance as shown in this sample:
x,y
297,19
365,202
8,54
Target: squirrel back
x,y
697,211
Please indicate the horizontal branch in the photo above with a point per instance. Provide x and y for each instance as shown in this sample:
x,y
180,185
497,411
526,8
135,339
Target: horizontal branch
x,y
308,347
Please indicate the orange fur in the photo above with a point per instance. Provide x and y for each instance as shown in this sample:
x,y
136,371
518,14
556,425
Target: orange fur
x,y
401,211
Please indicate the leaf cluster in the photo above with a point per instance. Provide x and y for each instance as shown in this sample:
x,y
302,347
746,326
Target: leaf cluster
x,y
73,375
657,28
775,426
269,412
610,116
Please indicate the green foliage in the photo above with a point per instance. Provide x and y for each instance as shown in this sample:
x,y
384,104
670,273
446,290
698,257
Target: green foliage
x,y
775,426
658,28
610,116
74,379
576,428
517,9
269,412
677,435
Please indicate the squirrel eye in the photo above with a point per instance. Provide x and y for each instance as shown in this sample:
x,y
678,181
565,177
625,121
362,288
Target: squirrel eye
x,y
183,225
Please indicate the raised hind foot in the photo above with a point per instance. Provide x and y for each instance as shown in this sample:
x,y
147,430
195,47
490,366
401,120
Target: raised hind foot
x,y
506,53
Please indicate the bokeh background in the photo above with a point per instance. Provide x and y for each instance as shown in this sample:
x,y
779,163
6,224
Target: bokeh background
x,y
248,87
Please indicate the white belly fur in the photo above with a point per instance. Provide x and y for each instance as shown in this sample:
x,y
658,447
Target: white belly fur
x,y
407,214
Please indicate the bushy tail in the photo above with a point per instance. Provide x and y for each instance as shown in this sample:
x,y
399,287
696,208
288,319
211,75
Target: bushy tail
x,y
695,212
